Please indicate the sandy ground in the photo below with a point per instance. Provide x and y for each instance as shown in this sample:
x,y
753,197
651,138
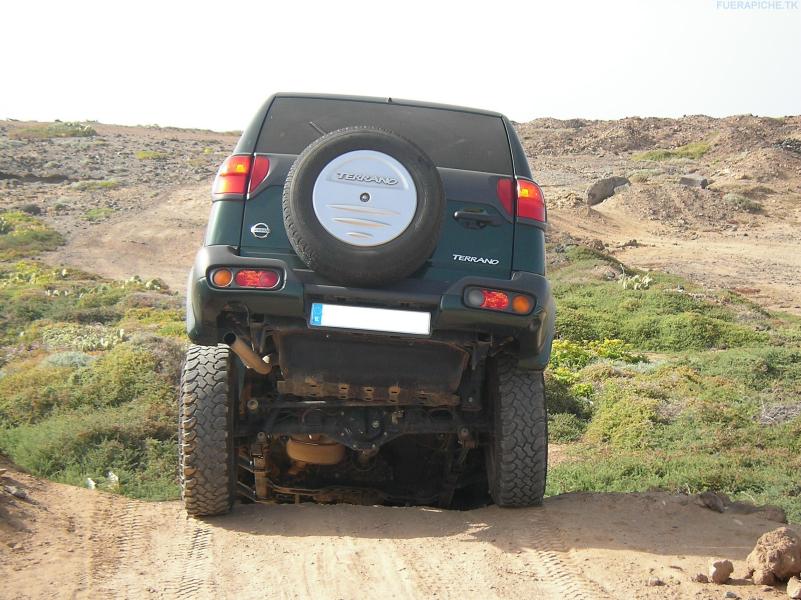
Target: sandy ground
x,y
67,542
158,239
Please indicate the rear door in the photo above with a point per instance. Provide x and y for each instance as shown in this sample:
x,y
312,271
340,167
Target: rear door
x,y
471,151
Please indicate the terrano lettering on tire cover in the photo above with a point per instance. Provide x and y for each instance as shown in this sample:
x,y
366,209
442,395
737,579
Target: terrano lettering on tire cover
x,y
367,178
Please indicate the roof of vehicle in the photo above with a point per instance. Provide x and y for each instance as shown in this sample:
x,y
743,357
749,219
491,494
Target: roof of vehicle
x,y
381,100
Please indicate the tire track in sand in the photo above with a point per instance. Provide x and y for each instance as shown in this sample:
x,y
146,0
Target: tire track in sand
x,y
191,574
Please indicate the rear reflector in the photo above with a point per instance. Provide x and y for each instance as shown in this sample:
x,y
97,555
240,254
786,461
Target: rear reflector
x,y
261,166
264,279
233,175
530,202
506,194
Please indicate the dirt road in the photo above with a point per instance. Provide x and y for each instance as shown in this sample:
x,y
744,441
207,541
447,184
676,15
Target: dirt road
x,y
67,542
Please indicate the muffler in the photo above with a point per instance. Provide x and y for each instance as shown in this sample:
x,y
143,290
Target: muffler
x,y
251,359
314,450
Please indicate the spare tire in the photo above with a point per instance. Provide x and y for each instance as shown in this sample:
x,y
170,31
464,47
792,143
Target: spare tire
x,y
363,206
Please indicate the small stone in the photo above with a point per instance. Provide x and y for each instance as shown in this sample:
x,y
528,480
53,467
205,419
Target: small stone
x,y
720,570
794,588
700,578
655,582
730,595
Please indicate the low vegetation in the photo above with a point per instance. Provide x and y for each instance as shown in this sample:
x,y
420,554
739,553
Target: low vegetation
x,y
96,184
741,203
98,214
667,387
23,235
89,369
657,385
150,155
693,150
59,129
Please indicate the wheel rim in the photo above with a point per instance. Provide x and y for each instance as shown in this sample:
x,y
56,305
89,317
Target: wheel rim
x,y
364,198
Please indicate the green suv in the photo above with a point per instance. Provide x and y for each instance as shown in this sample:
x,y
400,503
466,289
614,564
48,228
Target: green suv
x,y
370,312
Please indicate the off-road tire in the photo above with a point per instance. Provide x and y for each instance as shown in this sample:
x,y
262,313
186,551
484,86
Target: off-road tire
x,y
517,454
205,431
346,264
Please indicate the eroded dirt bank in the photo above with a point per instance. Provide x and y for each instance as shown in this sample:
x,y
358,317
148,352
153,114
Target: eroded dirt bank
x,y
67,542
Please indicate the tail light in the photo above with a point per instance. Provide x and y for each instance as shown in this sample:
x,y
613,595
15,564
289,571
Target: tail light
x,y
261,279
530,201
498,300
240,174
265,279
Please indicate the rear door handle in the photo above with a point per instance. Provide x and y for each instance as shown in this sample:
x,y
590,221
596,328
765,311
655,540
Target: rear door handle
x,y
477,220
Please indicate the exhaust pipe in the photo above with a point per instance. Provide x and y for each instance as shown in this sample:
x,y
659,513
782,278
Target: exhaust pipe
x,y
246,353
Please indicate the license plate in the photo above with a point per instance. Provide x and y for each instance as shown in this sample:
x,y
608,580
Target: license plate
x,y
370,319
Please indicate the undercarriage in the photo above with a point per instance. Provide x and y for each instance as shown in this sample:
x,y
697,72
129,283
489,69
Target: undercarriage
x,y
399,425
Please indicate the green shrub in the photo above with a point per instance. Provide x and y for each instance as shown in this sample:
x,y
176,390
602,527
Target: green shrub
x,y
740,202
98,214
643,175
760,368
624,417
150,155
561,399
574,324
565,427
96,184
24,235
134,442
571,355
692,150
32,209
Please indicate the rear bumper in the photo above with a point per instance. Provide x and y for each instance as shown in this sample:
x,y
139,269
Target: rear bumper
x,y
289,305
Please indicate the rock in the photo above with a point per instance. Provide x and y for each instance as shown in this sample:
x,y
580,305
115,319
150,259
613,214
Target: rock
x,y
713,501
655,582
720,570
621,188
604,188
794,588
596,244
694,181
776,557
16,492
771,513
730,595
700,578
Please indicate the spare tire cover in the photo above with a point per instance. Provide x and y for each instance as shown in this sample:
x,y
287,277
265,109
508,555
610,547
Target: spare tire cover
x,y
363,206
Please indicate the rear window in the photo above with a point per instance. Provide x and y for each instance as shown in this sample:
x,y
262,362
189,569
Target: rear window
x,y
453,139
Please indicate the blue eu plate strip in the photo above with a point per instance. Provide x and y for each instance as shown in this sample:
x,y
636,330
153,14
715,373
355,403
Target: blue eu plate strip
x,y
316,313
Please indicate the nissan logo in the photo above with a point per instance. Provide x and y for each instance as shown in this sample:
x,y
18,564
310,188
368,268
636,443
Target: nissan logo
x,y
260,230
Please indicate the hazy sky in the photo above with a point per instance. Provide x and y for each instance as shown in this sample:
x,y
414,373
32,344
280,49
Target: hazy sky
x,y
212,64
